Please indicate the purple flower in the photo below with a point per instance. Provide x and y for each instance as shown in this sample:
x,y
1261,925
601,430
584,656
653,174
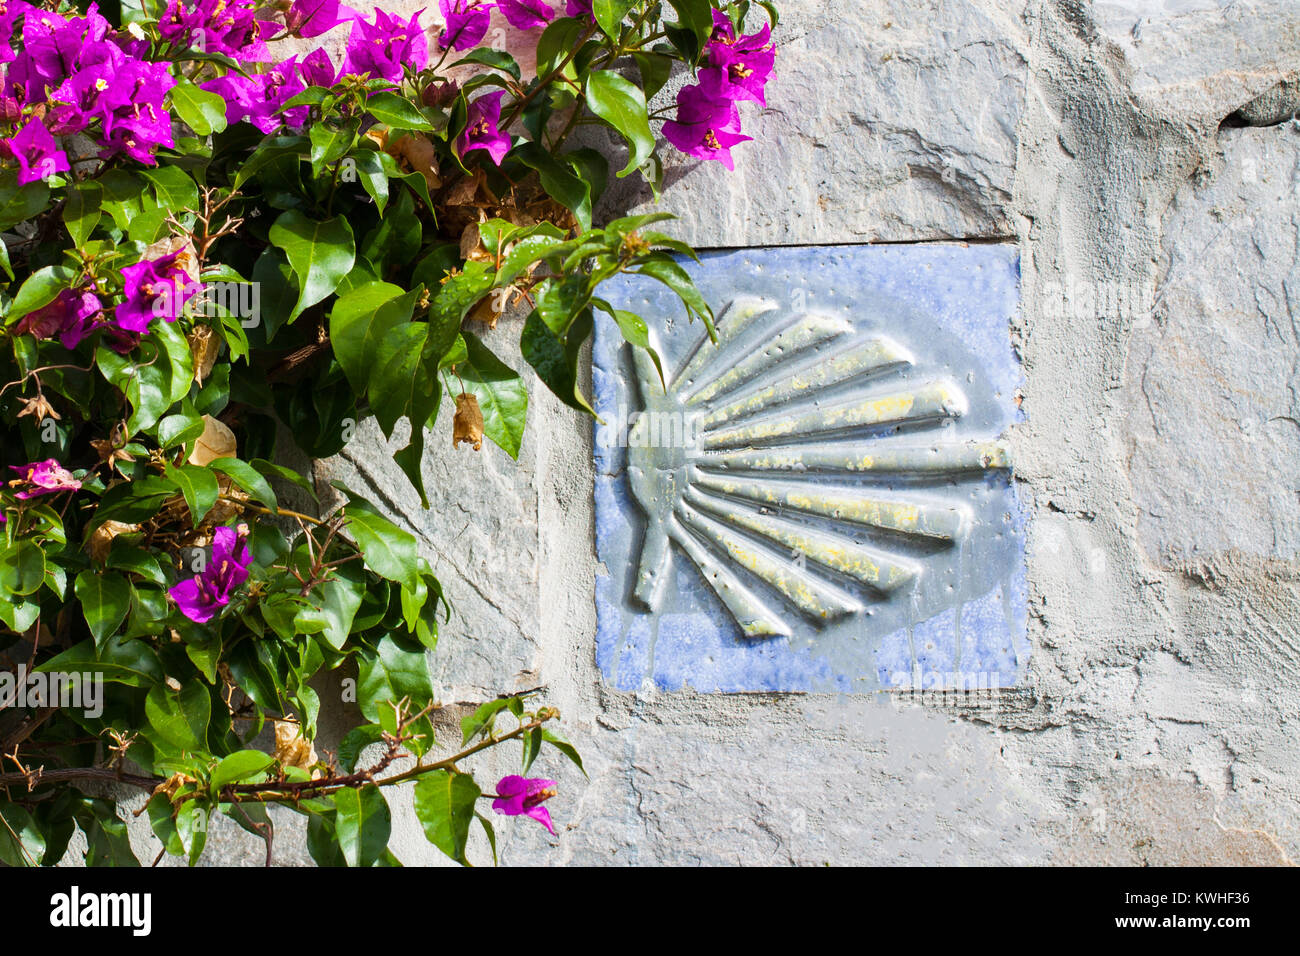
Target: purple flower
x,y
579,8
737,68
311,18
526,14
466,23
216,26
43,478
83,97
382,48
705,128
524,795
154,288
257,99
53,49
240,92
37,153
71,316
10,11
317,69
120,340
135,118
481,130
203,595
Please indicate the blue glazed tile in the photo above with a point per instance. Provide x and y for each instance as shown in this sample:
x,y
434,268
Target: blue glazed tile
x,y
820,502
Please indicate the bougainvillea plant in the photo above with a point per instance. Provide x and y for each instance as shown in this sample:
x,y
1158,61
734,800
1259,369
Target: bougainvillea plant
x,y
217,256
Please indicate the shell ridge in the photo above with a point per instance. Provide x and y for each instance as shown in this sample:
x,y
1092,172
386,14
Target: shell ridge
x,y
753,616
933,401
872,567
806,332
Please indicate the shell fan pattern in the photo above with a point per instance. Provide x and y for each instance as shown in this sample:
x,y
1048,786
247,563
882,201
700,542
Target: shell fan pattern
x,y
805,467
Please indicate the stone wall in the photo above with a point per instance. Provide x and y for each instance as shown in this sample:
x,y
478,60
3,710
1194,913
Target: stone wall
x,y
1112,142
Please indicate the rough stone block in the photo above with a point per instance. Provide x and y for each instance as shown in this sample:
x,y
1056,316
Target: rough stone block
x,y
1212,373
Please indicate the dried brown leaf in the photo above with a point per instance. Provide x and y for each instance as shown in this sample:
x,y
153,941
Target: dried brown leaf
x,y
101,539
291,748
204,346
467,426
217,441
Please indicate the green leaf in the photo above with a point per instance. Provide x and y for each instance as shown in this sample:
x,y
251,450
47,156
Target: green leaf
x,y
239,766
557,40
199,486
455,298
621,104
21,842
359,320
273,470
323,841
354,742
107,842
248,478
20,203
444,804
180,718
564,747
395,241
397,111
321,254
81,211
126,556
363,824
404,381
105,598
481,719
497,59
555,356
610,13
332,618
532,742
636,332
22,567
374,177
491,834
655,69
676,278
132,663
177,429
329,144
389,551
147,386
404,377
180,358
501,395
39,289
559,181
693,28
270,150
390,674
312,96
176,191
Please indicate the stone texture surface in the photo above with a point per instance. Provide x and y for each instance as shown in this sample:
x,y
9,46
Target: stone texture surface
x,y
1212,376
479,535
913,104
1157,721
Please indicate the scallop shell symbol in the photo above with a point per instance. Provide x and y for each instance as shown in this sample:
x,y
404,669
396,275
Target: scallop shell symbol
x,y
741,463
